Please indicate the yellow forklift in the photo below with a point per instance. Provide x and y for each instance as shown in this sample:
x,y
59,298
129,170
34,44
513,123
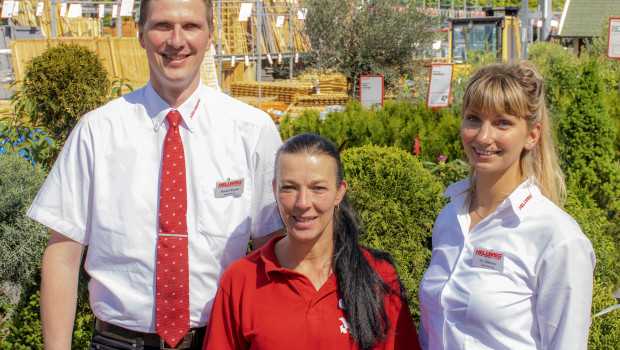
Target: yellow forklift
x,y
497,33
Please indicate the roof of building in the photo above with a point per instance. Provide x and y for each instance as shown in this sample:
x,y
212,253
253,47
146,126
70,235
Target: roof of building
x,y
583,18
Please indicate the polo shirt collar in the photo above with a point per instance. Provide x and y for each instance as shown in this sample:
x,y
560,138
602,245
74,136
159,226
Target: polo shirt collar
x,y
268,255
157,108
516,202
269,258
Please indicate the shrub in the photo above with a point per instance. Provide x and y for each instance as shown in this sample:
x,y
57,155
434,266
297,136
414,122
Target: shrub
x,y
560,70
605,329
397,124
65,82
23,240
586,136
398,201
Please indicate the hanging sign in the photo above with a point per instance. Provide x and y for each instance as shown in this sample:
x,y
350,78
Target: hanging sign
x,y
126,8
101,13
63,9
279,21
245,11
233,61
7,9
613,44
301,13
296,57
15,8
371,90
439,85
279,58
247,60
75,11
114,11
39,12
270,59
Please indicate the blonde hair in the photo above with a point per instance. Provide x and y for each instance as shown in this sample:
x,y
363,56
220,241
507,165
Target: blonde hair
x,y
517,89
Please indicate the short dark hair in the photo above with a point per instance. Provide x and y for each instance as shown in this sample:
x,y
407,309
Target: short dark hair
x,y
144,11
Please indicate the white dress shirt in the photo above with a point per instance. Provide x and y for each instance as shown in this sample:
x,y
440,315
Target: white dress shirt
x,y
520,279
103,192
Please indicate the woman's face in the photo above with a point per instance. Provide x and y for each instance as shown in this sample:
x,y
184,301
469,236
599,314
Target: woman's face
x,y
307,192
494,143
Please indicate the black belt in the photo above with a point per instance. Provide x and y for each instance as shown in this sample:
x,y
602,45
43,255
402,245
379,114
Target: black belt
x,y
193,337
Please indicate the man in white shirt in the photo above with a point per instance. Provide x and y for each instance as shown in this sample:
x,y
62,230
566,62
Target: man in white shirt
x,y
103,190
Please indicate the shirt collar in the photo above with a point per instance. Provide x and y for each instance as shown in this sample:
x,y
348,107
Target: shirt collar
x,y
157,108
272,266
517,201
268,255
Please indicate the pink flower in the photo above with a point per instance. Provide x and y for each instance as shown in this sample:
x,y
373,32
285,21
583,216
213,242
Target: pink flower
x,y
441,159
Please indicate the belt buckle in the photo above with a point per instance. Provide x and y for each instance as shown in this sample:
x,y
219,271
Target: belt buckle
x,y
191,334
162,345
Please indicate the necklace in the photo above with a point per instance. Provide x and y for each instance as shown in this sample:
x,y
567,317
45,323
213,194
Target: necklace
x,y
476,210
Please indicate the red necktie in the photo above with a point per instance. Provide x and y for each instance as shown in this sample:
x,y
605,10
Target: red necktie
x,y
172,284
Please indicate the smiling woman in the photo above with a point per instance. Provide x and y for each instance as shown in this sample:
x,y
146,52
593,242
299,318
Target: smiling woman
x,y
315,288
509,268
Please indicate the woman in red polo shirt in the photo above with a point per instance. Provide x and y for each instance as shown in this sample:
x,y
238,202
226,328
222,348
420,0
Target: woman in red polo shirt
x,y
316,287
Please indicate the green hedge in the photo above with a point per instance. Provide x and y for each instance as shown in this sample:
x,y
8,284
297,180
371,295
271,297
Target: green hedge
x,y
398,201
397,124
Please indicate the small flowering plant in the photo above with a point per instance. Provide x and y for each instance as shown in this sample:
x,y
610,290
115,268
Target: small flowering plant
x,y
448,172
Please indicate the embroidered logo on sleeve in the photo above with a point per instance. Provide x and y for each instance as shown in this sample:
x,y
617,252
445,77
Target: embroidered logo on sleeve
x,y
488,259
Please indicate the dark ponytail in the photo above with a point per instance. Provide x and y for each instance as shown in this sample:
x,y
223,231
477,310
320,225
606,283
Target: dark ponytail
x,y
361,288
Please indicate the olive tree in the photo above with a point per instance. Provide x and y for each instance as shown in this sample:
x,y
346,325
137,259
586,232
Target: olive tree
x,y
356,37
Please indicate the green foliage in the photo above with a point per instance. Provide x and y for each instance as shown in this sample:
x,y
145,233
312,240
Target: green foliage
x,y
367,37
23,240
24,331
398,201
397,124
560,71
586,136
605,329
448,172
64,83
21,132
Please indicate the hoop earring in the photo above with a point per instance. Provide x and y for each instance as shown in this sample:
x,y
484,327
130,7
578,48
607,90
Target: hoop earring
x,y
337,208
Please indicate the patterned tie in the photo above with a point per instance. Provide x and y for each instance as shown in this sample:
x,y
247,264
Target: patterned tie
x,y
172,285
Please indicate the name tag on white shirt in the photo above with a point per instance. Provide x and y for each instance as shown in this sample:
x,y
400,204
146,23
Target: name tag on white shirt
x,y
229,188
488,259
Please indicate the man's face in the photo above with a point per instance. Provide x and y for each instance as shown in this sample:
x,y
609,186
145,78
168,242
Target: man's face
x,y
175,36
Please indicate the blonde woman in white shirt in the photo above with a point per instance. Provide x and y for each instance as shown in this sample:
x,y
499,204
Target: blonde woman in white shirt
x,y
509,269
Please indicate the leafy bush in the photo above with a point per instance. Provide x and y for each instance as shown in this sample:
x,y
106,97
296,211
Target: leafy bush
x,y
65,82
604,331
586,136
560,70
23,240
398,201
24,331
397,124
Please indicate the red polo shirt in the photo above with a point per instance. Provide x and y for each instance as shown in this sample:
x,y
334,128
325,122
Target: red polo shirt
x,y
260,305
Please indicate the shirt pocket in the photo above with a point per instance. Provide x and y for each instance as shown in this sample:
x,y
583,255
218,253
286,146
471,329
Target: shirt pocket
x,y
226,216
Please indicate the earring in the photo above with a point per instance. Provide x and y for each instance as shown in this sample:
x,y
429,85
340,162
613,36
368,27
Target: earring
x,y
337,208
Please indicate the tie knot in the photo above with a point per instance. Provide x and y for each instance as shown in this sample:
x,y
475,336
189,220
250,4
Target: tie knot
x,y
174,118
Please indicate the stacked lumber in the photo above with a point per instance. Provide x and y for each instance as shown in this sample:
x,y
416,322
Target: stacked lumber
x,y
334,83
233,32
283,91
321,100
